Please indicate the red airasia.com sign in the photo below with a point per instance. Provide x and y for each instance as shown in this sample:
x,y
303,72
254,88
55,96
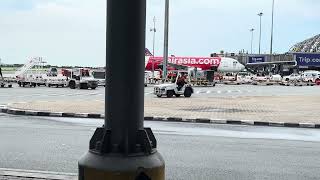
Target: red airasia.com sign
x,y
212,61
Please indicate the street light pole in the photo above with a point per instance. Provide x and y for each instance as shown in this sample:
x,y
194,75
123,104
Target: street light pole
x,y
166,37
123,148
271,43
251,30
260,15
154,30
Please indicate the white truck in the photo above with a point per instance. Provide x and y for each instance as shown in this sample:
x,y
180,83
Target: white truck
x,y
174,89
82,79
56,81
100,76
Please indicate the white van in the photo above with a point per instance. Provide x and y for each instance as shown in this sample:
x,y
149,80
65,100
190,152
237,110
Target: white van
x,y
310,76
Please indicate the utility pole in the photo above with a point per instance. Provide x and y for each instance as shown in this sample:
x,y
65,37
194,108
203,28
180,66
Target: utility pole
x,y
154,30
166,39
122,148
260,15
251,30
1,71
271,43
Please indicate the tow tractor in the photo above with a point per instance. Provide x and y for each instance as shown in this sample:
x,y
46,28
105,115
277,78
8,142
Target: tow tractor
x,y
82,79
174,89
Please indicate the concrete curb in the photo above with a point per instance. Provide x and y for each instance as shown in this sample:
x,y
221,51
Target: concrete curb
x,y
8,110
30,174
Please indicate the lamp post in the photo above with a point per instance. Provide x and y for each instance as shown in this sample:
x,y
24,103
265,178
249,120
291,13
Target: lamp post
x,y
251,30
260,15
166,34
154,30
123,148
271,43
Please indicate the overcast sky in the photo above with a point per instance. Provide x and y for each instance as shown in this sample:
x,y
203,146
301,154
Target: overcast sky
x,y
72,32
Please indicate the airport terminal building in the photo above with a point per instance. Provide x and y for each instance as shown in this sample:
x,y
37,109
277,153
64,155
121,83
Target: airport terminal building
x,y
302,56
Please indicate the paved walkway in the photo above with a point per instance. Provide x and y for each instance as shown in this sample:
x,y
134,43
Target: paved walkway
x,y
291,109
19,174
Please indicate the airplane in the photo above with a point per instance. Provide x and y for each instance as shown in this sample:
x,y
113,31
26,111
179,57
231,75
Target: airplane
x,y
219,64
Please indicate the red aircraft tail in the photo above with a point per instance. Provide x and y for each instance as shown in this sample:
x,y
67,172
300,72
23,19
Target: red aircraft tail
x,y
147,52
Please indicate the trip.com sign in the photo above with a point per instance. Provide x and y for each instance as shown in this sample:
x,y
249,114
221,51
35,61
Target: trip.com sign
x,y
308,59
256,59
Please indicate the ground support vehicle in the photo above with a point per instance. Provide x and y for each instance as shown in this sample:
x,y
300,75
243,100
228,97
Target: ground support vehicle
x,y
152,78
263,83
56,81
27,76
229,78
82,79
232,82
40,81
292,77
261,80
297,83
311,76
202,82
245,79
26,82
172,89
100,76
146,79
232,79
31,80
83,84
4,83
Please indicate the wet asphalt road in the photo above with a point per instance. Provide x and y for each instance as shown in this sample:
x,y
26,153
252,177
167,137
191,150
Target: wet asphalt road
x,y
19,94
191,151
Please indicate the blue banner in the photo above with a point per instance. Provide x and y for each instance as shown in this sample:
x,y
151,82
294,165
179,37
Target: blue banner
x,y
304,59
256,59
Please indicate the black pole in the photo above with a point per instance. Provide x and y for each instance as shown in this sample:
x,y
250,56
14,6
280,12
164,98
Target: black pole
x,y
260,15
125,71
123,148
271,43
166,40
